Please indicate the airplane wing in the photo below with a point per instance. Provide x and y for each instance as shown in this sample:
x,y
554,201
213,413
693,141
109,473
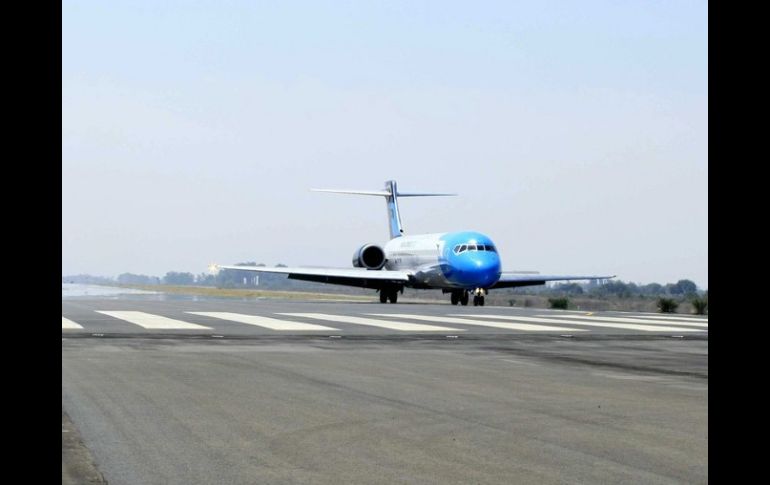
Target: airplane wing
x,y
510,280
360,277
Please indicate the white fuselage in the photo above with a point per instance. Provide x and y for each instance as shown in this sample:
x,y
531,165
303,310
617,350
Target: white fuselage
x,y
413,252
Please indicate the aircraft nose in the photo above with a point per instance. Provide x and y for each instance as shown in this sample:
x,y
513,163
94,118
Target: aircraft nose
x,y
480,270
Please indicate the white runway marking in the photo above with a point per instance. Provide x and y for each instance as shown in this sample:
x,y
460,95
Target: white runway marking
x,y
629,377
271,323
150,321
626,326
676,319
636,320
654,315
556,312
407,327
518,362
67,323
465,321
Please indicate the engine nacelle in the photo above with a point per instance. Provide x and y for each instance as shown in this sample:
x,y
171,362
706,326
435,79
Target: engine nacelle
x,y
369,256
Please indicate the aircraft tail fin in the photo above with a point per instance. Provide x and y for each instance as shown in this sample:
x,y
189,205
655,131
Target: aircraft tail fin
x,y
391,195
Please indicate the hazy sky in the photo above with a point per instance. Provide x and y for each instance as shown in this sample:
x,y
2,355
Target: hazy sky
x,y
576,133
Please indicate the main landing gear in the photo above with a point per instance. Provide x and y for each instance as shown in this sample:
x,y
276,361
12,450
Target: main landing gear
x,y
459,296
462,297
389,293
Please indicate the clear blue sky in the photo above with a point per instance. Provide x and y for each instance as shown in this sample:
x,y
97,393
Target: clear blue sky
x,y
575,132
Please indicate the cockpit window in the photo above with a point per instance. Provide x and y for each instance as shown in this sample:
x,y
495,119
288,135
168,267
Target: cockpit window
x,y
461,248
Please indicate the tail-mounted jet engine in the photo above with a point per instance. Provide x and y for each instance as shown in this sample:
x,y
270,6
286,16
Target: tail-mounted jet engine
x,y
369,256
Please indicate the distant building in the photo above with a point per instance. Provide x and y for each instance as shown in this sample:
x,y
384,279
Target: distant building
x,y
251,280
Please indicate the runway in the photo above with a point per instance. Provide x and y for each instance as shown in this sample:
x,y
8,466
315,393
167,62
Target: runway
x,y
276,391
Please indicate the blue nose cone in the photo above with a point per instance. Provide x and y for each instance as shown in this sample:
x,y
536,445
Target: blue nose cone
x,y
476,269
469,260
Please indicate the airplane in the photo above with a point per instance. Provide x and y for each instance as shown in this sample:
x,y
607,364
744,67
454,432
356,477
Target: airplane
x,y
460,263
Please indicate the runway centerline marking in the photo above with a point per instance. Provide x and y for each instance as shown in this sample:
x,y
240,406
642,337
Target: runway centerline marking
x,y
151,321
407,327
625,326
465,321
259,321
635,320
67,323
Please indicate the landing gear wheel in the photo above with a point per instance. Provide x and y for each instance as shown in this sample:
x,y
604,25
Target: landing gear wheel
x,y
383,296
455,298
464,298
481,301
393,295
475,300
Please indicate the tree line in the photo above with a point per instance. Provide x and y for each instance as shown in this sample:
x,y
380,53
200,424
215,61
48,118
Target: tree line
x,y
223,279
621,289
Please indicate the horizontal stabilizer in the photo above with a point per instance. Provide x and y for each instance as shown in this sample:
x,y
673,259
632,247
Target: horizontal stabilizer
x,y
401,194
382,193
391,195
354,192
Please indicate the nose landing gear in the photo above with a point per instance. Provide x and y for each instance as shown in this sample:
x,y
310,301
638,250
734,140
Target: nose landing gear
x,y
478,296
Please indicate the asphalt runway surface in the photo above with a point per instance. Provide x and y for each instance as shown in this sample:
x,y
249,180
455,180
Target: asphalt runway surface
x,y
228,391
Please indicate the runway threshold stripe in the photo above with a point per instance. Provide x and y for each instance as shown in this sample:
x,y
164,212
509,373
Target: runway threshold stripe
x,y
259,321
466,321
153,322
660,315
406,327
634,320
67,323
673,318
556,312
625,326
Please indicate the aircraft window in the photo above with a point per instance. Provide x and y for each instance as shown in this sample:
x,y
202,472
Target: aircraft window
x,y
461,248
